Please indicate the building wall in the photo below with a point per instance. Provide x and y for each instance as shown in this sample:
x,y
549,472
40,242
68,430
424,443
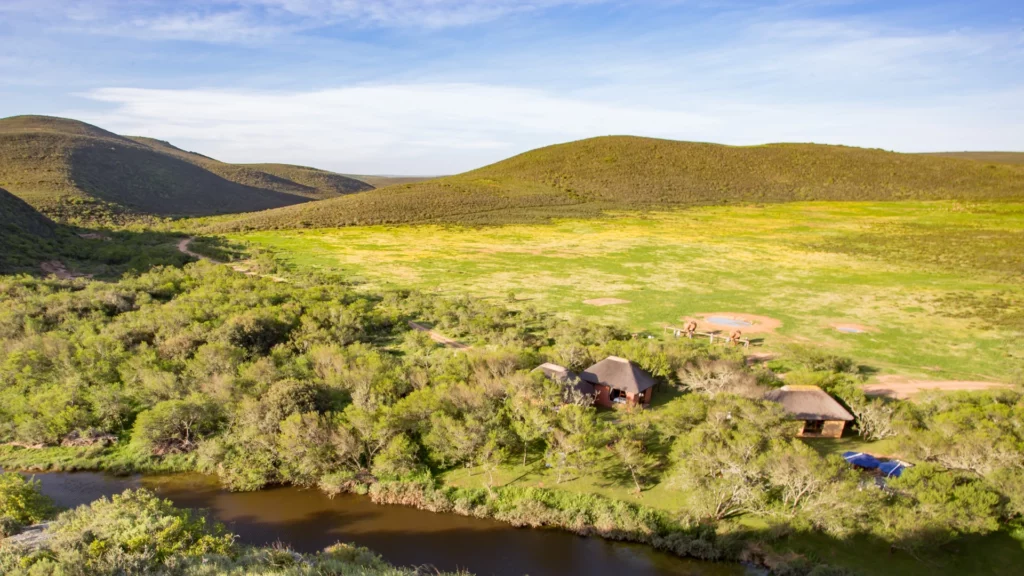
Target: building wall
x,y
643,398
831,429
604,396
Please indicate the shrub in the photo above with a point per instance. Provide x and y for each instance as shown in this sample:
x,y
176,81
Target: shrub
x,y
21,502
176,425
133,532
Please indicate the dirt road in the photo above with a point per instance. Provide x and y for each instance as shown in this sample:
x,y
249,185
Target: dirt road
x,y
183,247
439,338
902,387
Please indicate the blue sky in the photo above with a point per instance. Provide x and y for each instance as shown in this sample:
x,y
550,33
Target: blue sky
x,y
442,86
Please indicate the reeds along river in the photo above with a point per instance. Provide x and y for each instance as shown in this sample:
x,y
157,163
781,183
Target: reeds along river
x,y
308,521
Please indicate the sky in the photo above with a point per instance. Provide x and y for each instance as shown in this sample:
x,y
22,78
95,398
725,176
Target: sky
x,y
428,87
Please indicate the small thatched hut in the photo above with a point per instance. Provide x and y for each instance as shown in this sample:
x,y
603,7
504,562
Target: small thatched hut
x,y
565,376
822,416
619,381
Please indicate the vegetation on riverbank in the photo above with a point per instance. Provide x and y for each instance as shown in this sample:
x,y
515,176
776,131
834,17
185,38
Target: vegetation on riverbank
x,y
314,383
138,533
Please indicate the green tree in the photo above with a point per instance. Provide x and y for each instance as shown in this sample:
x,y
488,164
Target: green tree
x,y
21,501
398,459
177,425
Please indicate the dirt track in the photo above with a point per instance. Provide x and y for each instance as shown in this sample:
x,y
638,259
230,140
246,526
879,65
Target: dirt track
x,y
439,338
183,247
902,387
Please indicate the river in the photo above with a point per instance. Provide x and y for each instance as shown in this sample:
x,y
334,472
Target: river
x,y
308,521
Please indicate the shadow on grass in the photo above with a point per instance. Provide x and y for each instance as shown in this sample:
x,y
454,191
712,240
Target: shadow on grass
x,y
75,252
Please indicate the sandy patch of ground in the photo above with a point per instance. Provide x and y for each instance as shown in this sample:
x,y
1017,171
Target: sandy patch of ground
x,y
439,338
848,328
94,236
605,301
746,323
901,387
759,358
58,269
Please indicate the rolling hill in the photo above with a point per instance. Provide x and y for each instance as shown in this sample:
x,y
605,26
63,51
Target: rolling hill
x,y
76,172
584,178
25,234
990,157
384,181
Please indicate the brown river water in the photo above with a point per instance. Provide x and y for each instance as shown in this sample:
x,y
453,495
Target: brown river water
x,y
308,521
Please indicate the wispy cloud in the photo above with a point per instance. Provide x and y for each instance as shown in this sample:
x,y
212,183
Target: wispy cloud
x,y
452,95
446,128
426,13
224,21
421,128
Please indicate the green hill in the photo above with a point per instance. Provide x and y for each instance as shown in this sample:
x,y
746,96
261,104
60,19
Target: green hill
x,y
383,181
990,157
73,171
583,178
25,234
310,183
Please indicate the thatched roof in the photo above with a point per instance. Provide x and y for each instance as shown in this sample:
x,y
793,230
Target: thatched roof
x,y
619,374
808,403
565,376
555,372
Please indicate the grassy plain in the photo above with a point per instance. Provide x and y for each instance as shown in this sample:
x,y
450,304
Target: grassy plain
x,y
940,284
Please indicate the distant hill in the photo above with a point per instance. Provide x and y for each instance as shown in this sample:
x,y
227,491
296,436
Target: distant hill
x,y
25,234
384,181
622,172
991,157
73,171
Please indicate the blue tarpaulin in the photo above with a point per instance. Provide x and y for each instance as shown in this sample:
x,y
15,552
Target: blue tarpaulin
x,y
891,469
862,460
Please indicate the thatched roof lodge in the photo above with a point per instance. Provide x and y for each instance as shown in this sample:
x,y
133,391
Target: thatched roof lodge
x,y
565,376
619,381
822,416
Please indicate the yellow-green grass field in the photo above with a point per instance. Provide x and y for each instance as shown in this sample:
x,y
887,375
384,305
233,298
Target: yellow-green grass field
x,y
940,284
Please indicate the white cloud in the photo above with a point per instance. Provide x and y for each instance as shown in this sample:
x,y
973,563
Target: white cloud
x,y
447,128
234,21
426,13
414,128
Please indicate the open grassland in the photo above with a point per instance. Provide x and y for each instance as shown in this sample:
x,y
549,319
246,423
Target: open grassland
x,y
582,179
940,285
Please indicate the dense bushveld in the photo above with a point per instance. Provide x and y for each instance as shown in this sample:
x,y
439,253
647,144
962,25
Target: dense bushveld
x,y
76,172
29,240
583,178
138,533
311,383
24,234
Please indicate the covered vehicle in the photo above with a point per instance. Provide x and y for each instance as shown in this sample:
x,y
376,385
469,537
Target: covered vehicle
x,y
892,468
862,460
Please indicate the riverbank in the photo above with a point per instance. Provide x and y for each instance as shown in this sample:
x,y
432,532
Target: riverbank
x,y
573,511
308,521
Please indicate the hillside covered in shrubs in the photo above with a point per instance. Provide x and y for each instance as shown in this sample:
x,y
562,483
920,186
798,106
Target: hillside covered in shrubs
x,y
581,179
75,172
